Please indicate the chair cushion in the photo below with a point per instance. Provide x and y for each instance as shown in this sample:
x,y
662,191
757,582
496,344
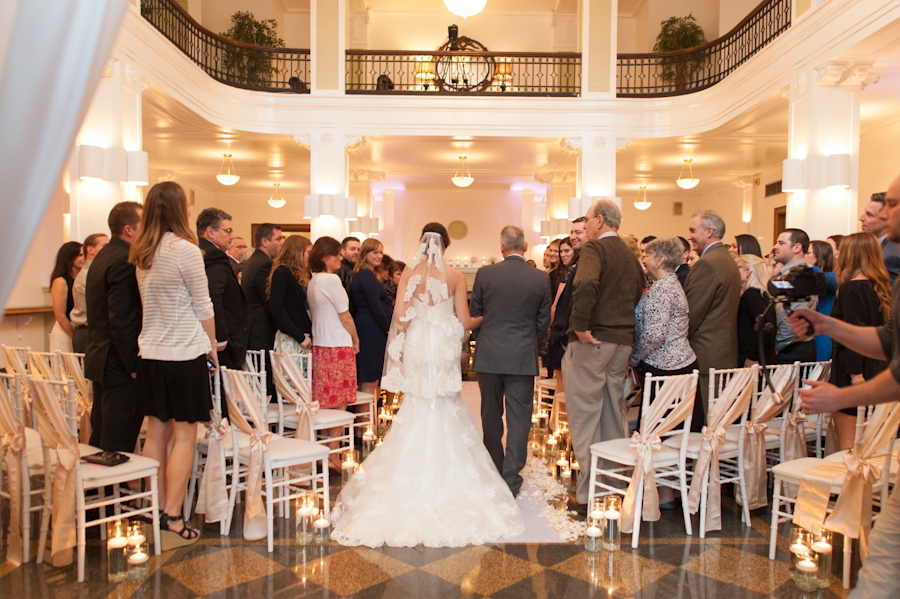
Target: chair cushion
x,y
35,455
135,465
619,450
547,383
331,418
284,450
203,441
793,470
695,442
363,398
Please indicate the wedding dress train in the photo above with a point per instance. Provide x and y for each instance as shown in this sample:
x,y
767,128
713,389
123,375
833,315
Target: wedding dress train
x,y
431,481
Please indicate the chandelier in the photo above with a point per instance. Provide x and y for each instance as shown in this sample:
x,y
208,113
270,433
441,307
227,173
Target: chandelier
x,y
641,202
228,177
465,8
277,201
462,178
691,182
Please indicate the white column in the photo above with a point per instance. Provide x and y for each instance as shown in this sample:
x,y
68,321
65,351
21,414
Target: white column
x,y
391,225
113,123
329,175
531,221
824,121
597,166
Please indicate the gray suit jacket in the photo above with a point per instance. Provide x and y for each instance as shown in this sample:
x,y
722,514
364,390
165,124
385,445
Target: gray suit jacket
x,y
891,253
514,299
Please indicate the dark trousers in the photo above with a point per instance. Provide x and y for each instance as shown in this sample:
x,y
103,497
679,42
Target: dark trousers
x,y
519,392
698,417
116,417
799,351
80,339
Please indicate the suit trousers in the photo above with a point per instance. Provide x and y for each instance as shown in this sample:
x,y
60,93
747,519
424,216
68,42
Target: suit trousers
x,y
80,339
519,391
880,575
116,417
594,376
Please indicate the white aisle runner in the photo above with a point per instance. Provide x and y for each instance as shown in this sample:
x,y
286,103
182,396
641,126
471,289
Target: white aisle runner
x,y
530,500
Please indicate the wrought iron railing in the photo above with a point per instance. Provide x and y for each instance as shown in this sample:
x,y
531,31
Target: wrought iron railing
x,y
228,61
455,73
687,71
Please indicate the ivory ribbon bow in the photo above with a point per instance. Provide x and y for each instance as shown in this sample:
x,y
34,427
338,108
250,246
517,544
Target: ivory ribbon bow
x,y
708,456
644,474
13,446
62,537
255,525
212,498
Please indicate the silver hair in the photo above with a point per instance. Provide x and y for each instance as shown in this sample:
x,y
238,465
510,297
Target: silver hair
x,y
670,248
711,220
512,238
611,214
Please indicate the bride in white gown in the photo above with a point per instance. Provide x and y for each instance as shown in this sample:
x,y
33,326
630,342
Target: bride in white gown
x,y
431,481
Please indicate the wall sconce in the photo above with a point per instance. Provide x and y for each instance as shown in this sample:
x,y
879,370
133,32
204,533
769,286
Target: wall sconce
x,y
326,204
792,175
137,172
310,207
350,208
365,226
837,171
555,228
575,208
90,162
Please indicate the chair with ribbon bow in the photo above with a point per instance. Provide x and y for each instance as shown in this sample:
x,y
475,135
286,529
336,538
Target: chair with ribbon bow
x,y
46,365
652,463
802,430
72,367
309,422
56,413
255,362
718,460
268,454
855,476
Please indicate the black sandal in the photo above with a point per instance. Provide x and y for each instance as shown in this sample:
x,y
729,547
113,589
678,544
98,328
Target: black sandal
x,y
171,539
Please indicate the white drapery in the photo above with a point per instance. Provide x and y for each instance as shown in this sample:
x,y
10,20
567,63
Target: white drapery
x,y
52,54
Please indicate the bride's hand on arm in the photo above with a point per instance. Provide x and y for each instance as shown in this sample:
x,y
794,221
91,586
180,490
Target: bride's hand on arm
x,y
461,304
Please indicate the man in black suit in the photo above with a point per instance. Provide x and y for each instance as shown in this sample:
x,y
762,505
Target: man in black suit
x,y
114,311
871,223
254,278
232,328
514,299
683,269
349,253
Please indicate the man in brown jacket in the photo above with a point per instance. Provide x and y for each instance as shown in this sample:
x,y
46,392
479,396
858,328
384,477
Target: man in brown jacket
x,y
606,289
713,290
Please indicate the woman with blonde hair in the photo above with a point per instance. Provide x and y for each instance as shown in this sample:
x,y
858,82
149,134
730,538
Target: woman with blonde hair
x,y
754,299
286,289
177,338
372,314
863,299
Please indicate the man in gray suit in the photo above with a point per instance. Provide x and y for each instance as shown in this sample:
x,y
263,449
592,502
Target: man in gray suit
x,y
873,223
514,299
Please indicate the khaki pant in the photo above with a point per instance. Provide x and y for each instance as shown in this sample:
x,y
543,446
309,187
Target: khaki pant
x,y
880,575
594,376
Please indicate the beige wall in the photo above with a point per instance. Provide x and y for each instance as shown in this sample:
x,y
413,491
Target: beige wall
x,y
877,161
732,12
706,12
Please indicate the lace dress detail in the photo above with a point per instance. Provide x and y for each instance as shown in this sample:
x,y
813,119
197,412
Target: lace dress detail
x,y
431,481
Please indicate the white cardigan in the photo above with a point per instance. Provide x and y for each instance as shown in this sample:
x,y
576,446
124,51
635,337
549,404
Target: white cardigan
x,y
175,296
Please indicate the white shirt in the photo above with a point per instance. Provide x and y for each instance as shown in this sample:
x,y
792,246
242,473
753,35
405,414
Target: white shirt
x,y
327,299
175,296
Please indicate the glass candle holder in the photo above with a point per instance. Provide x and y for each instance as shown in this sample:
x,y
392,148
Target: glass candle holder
x,y
562,464
535,425
807,567
322,529
800,544
306,515
551,447
138,557
116,544
565,479
593,535
576,473
612,512
543,420
348,465
368,442
823,546
136,534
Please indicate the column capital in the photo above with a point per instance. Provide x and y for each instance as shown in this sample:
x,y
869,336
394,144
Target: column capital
x,y
572,144
623,142
847,72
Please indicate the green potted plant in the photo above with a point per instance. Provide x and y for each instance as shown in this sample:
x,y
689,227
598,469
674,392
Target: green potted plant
x,y
680,33
245,65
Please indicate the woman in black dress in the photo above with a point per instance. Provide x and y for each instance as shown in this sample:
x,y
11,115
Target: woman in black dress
x,y
372,315
754,299
69,261
863,299
559,312
287,295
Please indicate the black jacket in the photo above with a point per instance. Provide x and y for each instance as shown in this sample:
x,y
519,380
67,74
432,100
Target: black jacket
x,y
229,304
253,281
114,312
345,272
287,303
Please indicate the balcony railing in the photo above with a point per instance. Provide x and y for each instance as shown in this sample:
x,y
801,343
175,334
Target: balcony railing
x,y
455,73
470,73
687,71
228,61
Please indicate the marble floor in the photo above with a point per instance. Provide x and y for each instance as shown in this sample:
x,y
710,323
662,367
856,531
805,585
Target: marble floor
x,y
667,564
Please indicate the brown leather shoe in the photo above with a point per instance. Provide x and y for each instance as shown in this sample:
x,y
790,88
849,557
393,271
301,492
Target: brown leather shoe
x,y
573,505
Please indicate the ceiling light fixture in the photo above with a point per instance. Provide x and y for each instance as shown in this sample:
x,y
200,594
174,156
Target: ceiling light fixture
x,y
228,177
277,201
465,8
641,202
690,183
462,178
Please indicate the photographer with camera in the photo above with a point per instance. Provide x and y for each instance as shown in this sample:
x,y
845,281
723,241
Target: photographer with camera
x,y
880,575
790,251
